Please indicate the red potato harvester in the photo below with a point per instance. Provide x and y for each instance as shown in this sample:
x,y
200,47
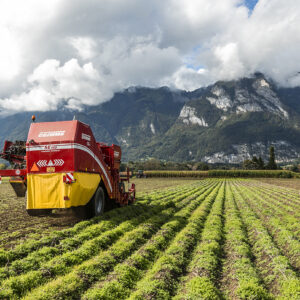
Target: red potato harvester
x,y
61,166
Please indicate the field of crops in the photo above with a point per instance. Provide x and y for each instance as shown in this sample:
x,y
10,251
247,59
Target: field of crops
x,y
16,226
209,239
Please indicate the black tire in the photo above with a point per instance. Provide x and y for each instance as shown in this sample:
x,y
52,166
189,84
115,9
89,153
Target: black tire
x,y
97,204
36,212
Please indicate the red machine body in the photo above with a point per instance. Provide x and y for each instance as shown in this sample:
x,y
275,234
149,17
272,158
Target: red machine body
x,y
66,147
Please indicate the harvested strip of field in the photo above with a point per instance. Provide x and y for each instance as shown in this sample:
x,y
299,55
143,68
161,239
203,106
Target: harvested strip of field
x,y
210,239
291,184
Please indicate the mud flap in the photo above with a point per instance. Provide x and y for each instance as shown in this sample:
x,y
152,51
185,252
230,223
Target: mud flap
x,y
19,186
49,191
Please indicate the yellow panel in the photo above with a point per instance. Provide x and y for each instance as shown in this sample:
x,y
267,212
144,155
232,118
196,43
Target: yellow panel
x,y
49,190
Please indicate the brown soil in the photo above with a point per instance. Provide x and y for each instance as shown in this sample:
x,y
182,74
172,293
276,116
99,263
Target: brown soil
x,y
289,183
16,225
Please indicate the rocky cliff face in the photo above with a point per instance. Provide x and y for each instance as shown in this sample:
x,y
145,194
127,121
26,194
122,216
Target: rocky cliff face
x,y
242,118
226,122
247,95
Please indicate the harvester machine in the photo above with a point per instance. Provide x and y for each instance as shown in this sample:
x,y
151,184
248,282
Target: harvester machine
x,y
62,166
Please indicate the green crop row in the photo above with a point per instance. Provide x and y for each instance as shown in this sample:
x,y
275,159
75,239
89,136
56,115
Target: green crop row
x,y
277,273
213,239
281,209
18,286
71,238
284,204
284,238
252,173
125,275
282,196
224,173
195,174
147,198
63,263
204,267
239,268
160,282
77,281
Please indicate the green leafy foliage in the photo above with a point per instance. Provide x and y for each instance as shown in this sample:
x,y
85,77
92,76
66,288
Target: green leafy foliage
x,y
213,239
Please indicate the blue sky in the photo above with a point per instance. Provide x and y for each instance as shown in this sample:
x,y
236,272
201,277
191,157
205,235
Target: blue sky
x,y
251,3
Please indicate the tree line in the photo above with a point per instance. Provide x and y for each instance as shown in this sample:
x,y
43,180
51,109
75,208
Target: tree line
x,y
259,164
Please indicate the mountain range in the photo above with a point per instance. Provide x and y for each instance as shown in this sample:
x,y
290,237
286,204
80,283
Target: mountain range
x,y
226,122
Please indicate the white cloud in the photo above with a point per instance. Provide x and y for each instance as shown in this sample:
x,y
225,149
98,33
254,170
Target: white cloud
x,y
228,64
50,84
9,56
85,47
188,79
80,52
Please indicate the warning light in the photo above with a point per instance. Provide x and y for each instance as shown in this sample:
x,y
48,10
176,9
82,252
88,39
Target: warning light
x,y
34,168
33,118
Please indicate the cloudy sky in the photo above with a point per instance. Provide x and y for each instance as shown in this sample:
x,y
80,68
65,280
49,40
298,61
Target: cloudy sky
x,y
79,52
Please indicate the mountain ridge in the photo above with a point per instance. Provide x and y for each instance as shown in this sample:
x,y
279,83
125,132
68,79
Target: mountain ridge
x,y
228,121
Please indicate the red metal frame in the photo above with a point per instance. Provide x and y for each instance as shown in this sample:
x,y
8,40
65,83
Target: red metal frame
x,y
68,146
13,172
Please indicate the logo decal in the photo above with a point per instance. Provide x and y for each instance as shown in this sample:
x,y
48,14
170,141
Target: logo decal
x,y
86,137
51,133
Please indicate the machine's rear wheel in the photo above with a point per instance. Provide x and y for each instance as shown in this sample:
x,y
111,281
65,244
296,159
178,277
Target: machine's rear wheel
x,y
97,204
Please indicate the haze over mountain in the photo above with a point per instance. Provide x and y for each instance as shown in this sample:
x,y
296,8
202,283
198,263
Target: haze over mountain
x,y
228,121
